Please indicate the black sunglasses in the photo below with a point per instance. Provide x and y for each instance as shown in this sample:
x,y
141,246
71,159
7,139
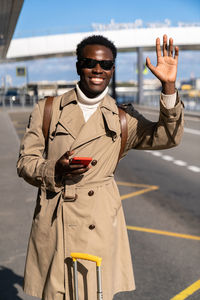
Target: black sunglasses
x,y
90,63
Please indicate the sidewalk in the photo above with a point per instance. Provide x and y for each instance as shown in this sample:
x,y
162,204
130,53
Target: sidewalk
x,y
17,200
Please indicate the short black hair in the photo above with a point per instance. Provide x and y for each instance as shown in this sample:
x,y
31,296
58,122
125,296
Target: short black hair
x,y
95,40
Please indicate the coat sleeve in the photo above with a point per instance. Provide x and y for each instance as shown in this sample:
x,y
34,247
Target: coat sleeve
x,y
32,165
145,134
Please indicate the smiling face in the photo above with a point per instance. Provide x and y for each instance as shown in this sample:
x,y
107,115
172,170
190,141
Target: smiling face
x,y
94,81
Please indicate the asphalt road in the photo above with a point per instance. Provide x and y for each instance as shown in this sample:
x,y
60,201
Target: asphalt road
x,y
165,265
162,211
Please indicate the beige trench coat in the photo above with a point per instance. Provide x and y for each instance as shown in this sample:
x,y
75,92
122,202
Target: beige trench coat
x,y
61,226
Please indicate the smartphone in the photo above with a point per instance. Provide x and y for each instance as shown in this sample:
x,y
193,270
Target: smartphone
x,y
81,160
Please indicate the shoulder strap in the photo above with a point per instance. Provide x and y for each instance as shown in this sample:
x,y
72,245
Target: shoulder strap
x,y
47,119
124,131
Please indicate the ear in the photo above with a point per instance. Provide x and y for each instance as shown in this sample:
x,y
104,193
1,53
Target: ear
x,y
78,69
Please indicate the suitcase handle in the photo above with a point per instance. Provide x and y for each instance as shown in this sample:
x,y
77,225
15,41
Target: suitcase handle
x,y
93,258
86,256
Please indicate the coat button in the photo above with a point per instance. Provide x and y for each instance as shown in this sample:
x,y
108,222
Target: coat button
x,y
92,226
94,162
91,193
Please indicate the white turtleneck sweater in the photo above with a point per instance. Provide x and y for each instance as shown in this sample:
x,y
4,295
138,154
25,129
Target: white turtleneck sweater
x,y
89,105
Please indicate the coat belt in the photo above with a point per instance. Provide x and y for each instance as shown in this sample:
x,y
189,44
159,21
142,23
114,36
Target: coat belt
x,y
69,193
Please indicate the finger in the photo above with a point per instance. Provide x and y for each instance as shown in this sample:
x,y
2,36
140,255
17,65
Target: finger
x,y
68,153
164,45
76,166
158,49
149,65
176,53
79,171
170,47
73,175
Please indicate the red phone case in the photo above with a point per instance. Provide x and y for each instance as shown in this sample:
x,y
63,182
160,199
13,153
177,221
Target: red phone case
x,y
81,160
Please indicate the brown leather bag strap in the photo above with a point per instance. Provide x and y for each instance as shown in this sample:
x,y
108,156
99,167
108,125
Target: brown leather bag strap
x,y
47,119
124,131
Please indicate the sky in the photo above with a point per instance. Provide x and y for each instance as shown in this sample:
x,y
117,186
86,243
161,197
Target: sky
x,y
44,17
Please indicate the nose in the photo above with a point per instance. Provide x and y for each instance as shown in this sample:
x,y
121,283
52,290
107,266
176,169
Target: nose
x,y
97,69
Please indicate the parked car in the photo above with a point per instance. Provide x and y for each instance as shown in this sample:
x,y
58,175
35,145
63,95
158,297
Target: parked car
x,y
16,96
12,97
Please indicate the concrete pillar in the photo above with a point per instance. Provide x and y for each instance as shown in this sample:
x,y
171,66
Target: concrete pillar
x,y
114,95
140,74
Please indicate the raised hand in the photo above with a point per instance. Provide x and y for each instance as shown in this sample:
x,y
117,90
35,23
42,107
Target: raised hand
x,y
166,69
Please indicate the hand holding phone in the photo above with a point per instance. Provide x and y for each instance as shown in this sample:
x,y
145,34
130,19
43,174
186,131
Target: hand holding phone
x,y
73,167
81,160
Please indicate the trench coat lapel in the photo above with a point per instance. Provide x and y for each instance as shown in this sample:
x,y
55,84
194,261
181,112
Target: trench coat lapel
x,y
92,129
71,118
111,115
95,126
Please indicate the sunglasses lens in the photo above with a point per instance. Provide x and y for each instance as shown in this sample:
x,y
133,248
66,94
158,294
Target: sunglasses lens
x,y
90,63
106,64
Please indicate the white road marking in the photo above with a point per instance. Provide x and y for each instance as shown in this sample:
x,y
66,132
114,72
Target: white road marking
x,y
169,158
193,131
180,163
12,258
156,153
194,169
28,200
172,159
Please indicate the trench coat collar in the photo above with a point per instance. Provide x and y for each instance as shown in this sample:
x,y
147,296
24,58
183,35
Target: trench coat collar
x,y
108,102
68,98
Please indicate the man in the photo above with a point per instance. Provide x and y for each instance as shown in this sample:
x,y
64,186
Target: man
x,y
78,207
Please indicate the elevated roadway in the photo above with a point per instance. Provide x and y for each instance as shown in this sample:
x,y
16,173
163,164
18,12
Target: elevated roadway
x,y
126,40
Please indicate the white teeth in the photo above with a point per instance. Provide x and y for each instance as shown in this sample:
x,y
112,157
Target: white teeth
x,y
96,80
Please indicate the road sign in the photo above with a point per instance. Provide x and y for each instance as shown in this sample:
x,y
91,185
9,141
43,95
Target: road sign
x,y
21,71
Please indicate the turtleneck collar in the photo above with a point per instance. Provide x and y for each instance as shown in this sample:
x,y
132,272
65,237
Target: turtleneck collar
x,y
83,99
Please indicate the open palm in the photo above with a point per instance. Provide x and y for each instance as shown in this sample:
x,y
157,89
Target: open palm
x,y
166,68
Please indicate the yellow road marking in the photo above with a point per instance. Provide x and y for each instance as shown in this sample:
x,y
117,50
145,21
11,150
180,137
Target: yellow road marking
x,y
188,291
138,193
162,232
146,188
22,126
133,184
20,131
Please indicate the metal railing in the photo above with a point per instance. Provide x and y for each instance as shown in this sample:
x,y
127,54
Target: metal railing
x,y
150,99
22,100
